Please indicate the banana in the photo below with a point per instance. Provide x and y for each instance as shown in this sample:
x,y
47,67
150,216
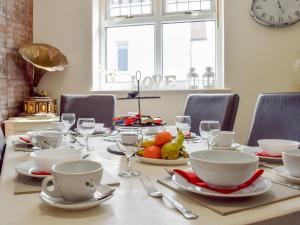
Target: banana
x,y
147,143
140,152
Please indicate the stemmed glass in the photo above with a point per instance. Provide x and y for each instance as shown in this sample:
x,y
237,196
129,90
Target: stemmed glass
x,y
129,141
183,123
86,127
209,130
68,119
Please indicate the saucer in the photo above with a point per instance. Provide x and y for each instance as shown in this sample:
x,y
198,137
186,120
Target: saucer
x,y
63,204
234,146
25,168
260,186
283,172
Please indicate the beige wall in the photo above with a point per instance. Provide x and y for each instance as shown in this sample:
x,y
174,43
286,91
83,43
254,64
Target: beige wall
x,y
257,59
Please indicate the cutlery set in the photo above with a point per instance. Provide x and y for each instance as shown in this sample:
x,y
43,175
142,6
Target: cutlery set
x,y
155,193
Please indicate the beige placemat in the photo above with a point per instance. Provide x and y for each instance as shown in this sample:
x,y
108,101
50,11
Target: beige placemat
x,y
226,206
28,185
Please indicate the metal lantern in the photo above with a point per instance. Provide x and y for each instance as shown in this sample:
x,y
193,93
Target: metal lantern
x,y
208,78
193,79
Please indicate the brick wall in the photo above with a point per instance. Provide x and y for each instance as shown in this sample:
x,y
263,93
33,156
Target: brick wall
x,y
15,29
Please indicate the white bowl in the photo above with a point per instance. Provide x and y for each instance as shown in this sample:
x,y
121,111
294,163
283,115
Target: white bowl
x,y
223,168
291,161
152,130
45,159
275,147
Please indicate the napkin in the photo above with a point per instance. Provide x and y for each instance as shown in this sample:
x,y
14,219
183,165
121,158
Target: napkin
x,y
26,140
193,179
267,155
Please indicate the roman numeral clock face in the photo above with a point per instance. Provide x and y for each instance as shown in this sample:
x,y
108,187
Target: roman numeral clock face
x,y
277,13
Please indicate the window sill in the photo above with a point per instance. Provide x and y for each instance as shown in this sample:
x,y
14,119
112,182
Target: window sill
x,y
202,90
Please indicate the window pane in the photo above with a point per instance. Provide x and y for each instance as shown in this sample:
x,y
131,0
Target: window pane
x,y
129,49
188,45
185,5
130,7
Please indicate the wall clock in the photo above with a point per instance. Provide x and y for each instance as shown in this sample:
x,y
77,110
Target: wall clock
x,y
276,13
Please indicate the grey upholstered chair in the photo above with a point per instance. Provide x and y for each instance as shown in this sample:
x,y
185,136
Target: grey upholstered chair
x,y
277,115
2,148
100,107
220,107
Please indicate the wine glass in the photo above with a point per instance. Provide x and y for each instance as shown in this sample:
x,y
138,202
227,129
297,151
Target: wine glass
x,y
209,130
86,127
129,140
68,119
183,123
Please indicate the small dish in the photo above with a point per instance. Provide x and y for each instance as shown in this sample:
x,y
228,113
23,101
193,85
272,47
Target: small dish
x,y
260,186
283,172
179,161
63,204
26,168
234,146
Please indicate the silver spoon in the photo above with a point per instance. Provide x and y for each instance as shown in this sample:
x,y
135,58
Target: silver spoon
x,y
99,197
170,172
72,139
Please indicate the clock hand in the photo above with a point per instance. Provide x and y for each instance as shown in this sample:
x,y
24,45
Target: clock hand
x,y
279,5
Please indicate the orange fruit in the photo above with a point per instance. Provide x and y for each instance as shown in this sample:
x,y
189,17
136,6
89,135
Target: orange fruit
x,y
162,138
153,152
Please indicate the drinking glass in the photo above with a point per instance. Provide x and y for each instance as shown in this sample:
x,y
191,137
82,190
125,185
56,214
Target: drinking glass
x,y
183,123
68,119
129,141
86,127
209,130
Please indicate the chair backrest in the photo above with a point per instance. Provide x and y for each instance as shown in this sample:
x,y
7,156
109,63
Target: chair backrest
x,y
2,147
276,116
100,107
220,107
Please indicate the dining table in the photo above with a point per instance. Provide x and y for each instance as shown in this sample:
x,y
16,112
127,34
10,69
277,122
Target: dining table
x,y
130,203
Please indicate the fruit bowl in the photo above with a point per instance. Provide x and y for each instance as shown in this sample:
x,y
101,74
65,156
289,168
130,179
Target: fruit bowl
x,y
179,161
163,150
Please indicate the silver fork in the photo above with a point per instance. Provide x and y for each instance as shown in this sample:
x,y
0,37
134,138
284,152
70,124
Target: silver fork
x,y
153,192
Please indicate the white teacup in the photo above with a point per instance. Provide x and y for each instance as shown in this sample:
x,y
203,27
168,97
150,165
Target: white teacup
x,y
59,126
99,127
75,180
291,161
46,140
225,139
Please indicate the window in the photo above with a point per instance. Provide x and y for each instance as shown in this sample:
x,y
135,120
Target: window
x,y
161,38
122,57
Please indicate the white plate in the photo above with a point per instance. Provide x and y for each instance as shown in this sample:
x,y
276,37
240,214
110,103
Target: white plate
x,y
63,204
254,150
103,131
260,186
178,161
25,168
282,172
234,146
270,159
191,136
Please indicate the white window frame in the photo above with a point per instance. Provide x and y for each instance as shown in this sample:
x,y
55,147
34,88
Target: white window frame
x,y
158,18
